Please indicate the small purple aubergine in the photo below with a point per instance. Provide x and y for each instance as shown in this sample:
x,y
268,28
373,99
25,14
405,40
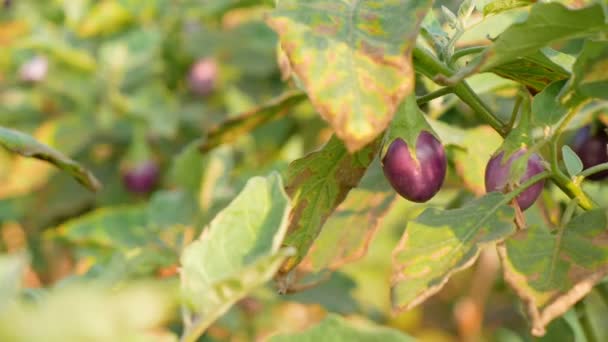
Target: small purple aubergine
x,y
592,149
142,178
497,175
416,179
203,76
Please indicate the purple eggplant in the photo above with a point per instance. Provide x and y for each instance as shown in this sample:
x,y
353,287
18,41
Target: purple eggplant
x,y
592,149
203,76
416,179
142,178
497,175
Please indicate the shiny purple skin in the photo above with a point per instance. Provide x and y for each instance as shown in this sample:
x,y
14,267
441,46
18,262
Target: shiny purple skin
x,y
416,180
592,149
497,175
202,76
142,178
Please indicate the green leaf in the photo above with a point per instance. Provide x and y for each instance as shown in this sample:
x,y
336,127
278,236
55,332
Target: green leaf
x,y
551,272
504,5
349,230
235,127
595,309
471,162
239,251
90,313
116,228
537,70
11,275
546,108
438,244
590,78
353,57
334,328
317,184
547,23
27,146
574,165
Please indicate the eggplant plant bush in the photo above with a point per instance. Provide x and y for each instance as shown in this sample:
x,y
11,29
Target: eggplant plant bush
x,y
303,170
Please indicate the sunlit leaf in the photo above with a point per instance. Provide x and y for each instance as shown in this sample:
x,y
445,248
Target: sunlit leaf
x,y
239,251
353,57
335,328
536,70
551,272
498,6
438,244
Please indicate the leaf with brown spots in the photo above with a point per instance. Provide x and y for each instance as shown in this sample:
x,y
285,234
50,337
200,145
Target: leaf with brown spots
x,y
353,58
351,227
317,184
439,243
551,272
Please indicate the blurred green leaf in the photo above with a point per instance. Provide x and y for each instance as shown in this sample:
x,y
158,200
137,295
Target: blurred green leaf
x,y
334,328
27,146
91,314
551,272
234,128
11,274
438,244
471,162
574,165
317,184
105,17
595,309
589,78
239,251
557,22
353,55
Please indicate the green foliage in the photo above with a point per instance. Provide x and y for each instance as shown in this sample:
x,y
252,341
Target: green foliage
x,y
308,93
552,271
439,243
334,328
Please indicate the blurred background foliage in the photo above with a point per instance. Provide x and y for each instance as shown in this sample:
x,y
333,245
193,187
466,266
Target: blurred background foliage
x,y
109,83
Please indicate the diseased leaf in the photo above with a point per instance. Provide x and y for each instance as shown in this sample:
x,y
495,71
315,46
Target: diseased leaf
x,y
239,251
349,230
471,162
551,272
546,23
574,165
546,108
590,78
439,243
317,184
27,146
335,328
353,58
536,70
234,128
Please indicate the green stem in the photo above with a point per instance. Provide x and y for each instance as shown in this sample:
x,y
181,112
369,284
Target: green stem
x,y
429,66
525,185
465,52
594,169
433,95
514,112
568,212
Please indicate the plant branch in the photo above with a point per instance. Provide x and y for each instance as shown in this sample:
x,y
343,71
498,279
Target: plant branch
x,y
465,52
433,95
594,169
430,66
